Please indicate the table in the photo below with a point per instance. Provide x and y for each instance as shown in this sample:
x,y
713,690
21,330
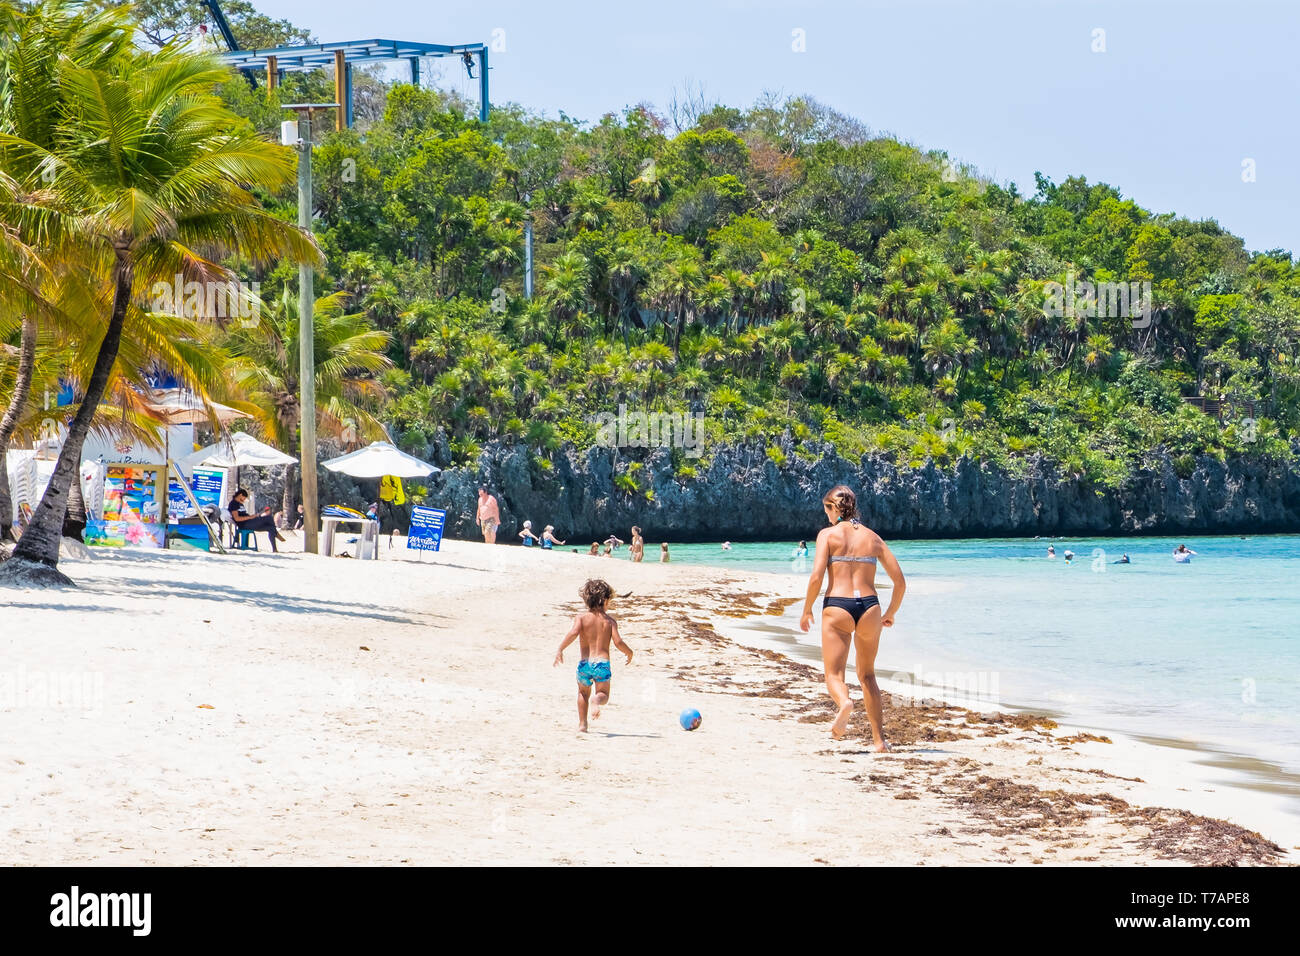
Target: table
x,y
367,547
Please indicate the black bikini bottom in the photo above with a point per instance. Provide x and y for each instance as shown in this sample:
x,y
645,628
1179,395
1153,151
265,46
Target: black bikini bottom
x,y
855,606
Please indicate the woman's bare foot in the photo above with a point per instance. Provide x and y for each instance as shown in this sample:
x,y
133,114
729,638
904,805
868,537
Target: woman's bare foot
x,y
841,725
882,747
582,727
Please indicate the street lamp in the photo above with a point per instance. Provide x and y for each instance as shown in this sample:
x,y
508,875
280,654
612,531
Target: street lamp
x,y
298,135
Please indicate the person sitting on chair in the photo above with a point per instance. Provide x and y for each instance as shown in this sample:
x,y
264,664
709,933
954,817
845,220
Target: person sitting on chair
x,y
263,522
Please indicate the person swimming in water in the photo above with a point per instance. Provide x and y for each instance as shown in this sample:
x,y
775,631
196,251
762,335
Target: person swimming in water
x,y
1069,556
1123,560
846,556
1183,554
1051,552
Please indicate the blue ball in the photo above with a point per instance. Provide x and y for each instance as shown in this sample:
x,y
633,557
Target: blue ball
x,y
689,719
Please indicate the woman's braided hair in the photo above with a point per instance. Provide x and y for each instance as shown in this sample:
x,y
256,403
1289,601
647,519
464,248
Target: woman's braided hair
x,y
843,502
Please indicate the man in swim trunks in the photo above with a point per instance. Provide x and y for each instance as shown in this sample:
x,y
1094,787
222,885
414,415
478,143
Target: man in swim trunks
x,y
488,515
595,630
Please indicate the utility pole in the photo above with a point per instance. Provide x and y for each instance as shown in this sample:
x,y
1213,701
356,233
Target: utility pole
x,y
307,349
306,327
528,246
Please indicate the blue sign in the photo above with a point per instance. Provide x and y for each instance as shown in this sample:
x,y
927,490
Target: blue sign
x,y
426,528
206,485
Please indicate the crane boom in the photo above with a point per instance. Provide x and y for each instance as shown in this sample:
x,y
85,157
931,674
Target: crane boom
x,y
223,26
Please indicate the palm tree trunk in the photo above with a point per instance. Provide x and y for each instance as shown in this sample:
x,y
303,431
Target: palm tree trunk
x,y
22,389
287,503
36,559
74,522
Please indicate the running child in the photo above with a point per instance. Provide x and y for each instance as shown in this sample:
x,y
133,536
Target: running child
x,y
595,630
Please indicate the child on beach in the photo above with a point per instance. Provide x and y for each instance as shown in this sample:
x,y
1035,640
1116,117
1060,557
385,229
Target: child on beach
x,y
595,631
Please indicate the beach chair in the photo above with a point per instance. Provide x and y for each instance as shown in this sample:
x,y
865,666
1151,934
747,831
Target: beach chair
x,y
239,540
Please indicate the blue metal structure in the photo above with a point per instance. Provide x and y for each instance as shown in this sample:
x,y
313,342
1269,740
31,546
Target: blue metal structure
x,y
302,59
223,27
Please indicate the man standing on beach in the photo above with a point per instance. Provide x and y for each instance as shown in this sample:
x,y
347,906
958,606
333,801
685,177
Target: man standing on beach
x,y
488,515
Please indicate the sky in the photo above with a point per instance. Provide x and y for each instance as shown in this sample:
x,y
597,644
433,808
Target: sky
x,y
1185,106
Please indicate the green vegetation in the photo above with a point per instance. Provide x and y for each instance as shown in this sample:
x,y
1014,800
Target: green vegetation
x,y
800,280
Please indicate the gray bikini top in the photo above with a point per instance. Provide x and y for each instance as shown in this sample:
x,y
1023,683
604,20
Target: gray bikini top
x,y
867,559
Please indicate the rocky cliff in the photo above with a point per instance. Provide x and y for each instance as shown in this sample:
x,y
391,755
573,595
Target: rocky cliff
x,y
743,495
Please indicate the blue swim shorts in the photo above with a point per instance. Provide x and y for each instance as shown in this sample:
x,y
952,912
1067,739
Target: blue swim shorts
x,y
593,672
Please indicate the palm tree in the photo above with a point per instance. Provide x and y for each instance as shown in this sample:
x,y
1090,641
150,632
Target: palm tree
x,y
34,40
770,279
872,357
148,179
674,291
566,290
349,353
715,299
787,338
739,288
17,294
1099,350
625,275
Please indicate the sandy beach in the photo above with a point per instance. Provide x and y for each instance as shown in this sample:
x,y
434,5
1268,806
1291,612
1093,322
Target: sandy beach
x,y
291,709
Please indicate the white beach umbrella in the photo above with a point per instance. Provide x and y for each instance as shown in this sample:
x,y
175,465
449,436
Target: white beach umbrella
x,y
238,450
379,459
183,407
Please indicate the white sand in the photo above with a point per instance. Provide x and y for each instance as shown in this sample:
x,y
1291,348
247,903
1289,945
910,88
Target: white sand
x,y
449,738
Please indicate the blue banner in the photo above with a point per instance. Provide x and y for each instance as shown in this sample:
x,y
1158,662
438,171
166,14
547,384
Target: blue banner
x,y
426,529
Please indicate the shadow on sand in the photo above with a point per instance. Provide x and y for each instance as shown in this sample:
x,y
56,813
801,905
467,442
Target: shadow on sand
x,y
107,582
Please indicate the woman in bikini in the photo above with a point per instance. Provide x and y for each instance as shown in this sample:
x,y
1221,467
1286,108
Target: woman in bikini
x,y
847,553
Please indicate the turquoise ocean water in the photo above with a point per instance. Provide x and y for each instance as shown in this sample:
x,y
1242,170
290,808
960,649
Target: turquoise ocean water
x,y
1205,654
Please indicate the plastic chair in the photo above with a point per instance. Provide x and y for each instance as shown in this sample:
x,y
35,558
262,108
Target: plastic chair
x,y
239,539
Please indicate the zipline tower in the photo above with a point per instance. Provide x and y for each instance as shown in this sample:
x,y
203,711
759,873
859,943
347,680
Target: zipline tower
x,y
341,56
303,59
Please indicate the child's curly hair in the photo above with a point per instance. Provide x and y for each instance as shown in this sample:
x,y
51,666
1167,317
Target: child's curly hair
x,y
596,593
